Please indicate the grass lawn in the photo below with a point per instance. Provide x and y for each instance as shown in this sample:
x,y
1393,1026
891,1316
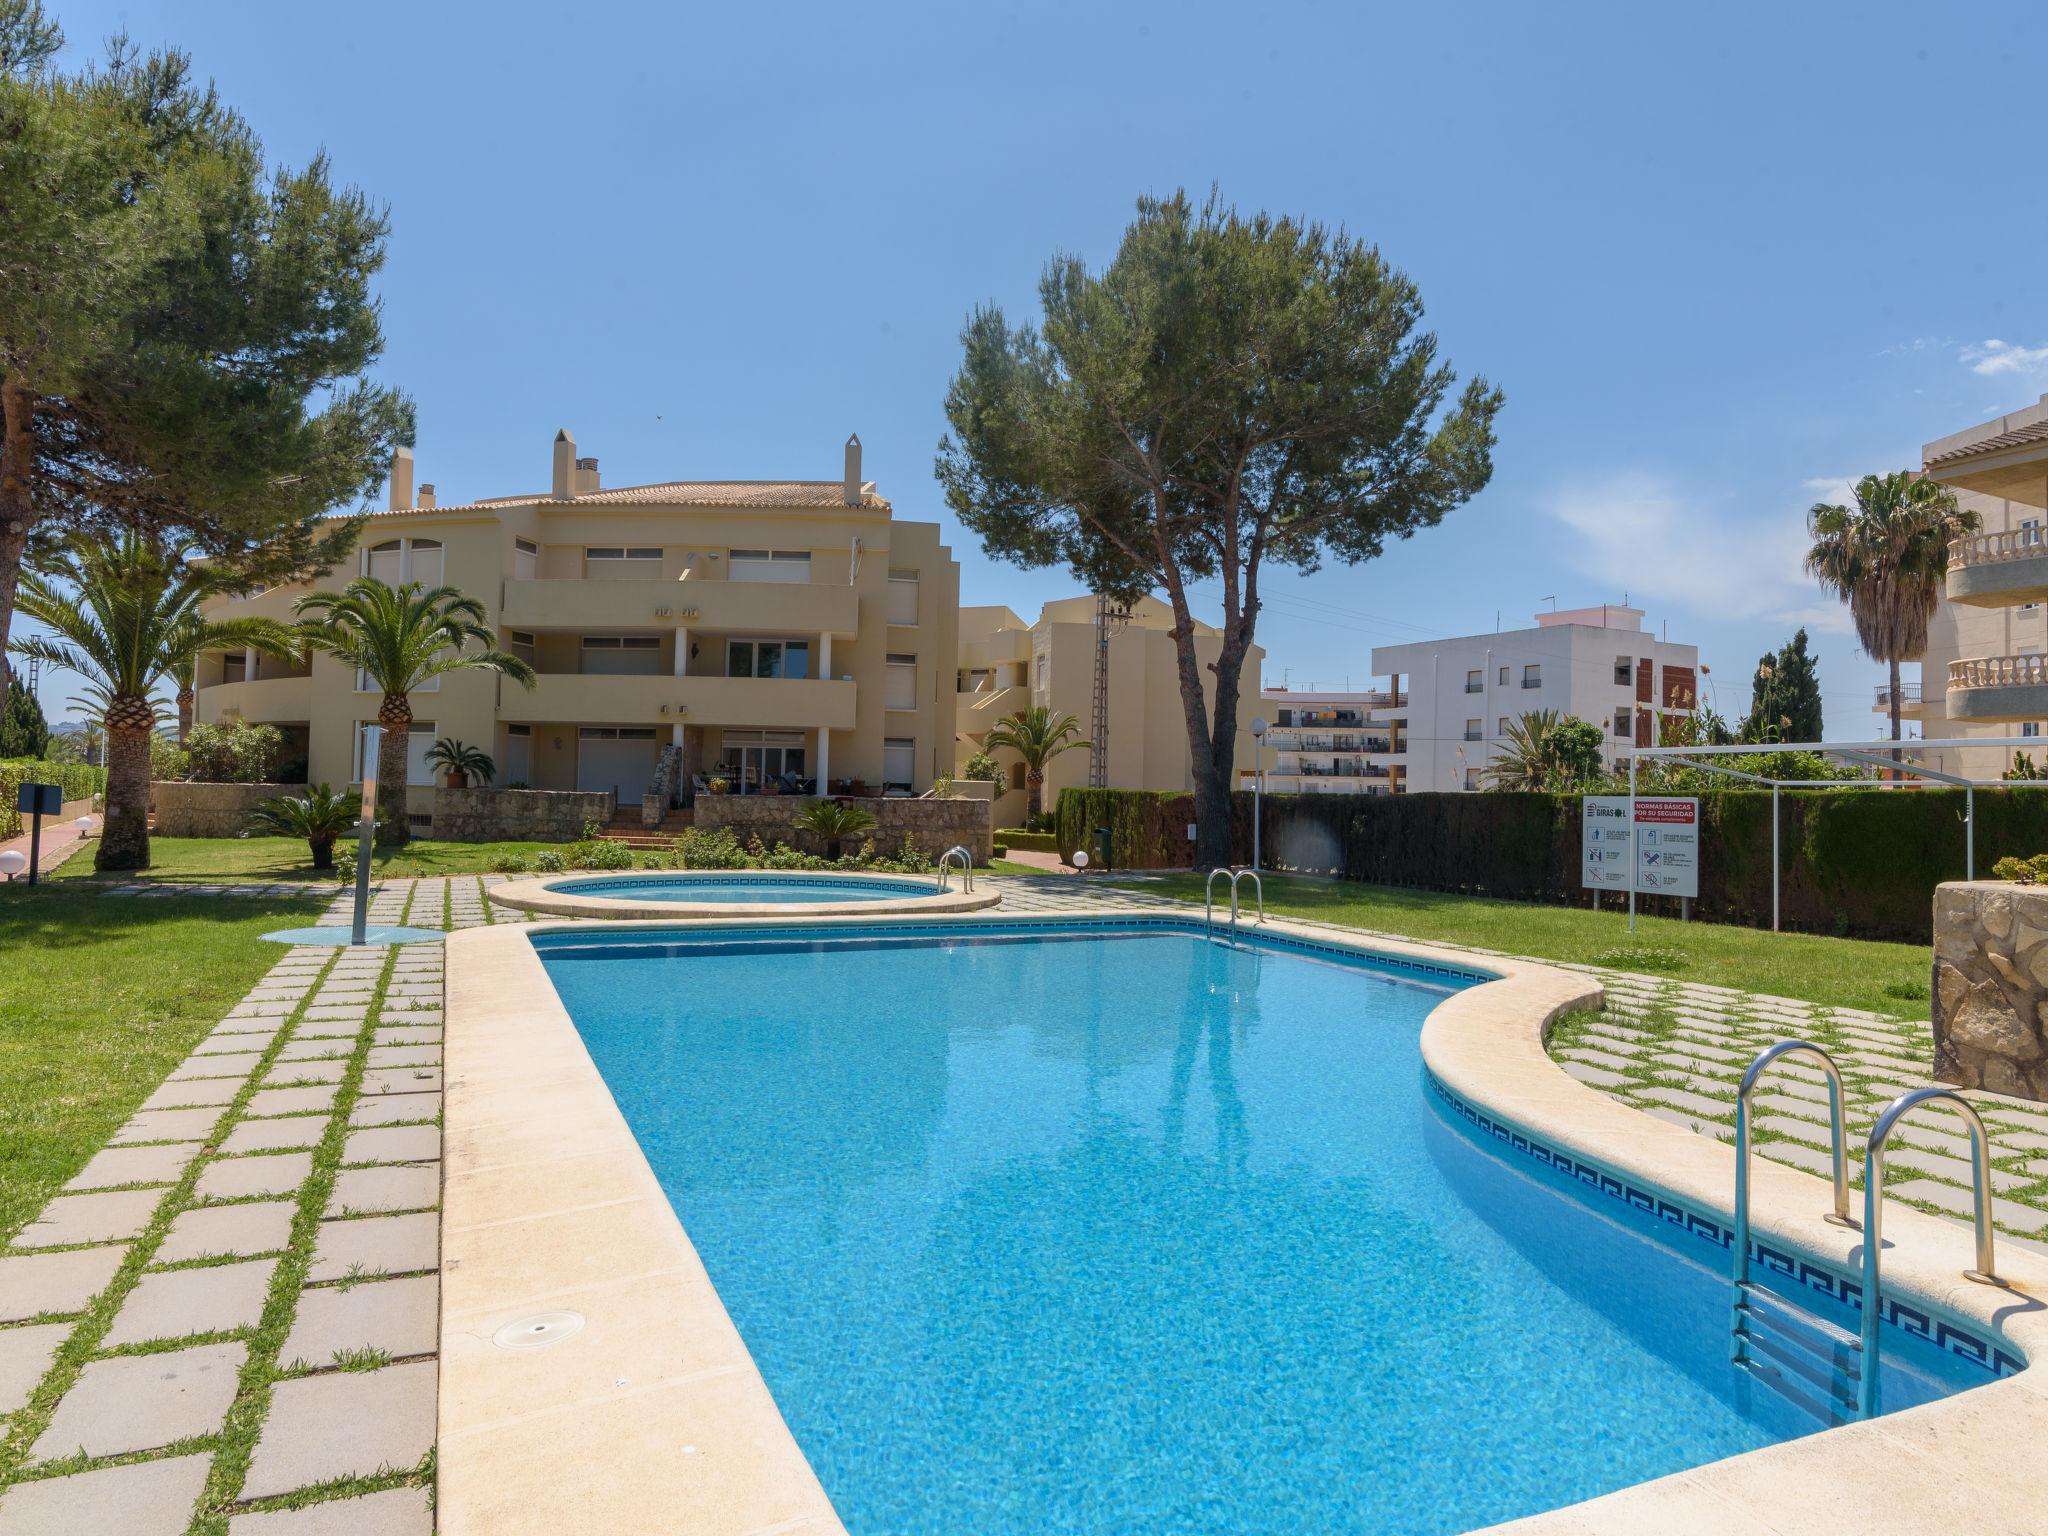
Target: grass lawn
x,y
1851,973
99,998
286,858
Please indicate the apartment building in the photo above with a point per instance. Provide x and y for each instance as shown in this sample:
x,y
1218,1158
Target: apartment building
x,y
1456,697
1328,743
1985,671
1006,665
793,632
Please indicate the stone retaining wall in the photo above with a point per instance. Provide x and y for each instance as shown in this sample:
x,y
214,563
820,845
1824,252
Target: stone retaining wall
x,y
208,810
515,815
1991,986
932,825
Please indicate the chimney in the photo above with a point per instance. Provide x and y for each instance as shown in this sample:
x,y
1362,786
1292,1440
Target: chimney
x,y
426,497
401,479
853,470
565,466
586,476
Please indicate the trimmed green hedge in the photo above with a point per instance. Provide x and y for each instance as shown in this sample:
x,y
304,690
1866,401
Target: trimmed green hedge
x,y
1861,862
78,781
1037,842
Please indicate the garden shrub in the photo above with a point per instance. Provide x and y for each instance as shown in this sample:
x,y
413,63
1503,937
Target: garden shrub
x,y
549,861
238,753
1037,842
711,850
599,853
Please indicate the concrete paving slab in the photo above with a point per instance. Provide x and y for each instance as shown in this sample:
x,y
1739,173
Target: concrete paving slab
x,y
400,1317
167,1125
288,1073
397,1187
232,1178
393,1144
394,1512
32,1284
230,1064
144,1498
181,1095
402,1080
134,1165
344,1424
289,1133
376,1245
111,1216
291,1101
139,1402
25,1354
265,1227
393,1109
176,1303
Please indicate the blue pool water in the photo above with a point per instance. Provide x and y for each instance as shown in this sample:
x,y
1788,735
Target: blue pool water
x,y
1129,1231
736,889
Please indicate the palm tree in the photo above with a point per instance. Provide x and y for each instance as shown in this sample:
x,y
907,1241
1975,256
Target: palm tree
x,y
1038,736
1525,760
399,638
1887,558
125,612
319,816
462,761
832,821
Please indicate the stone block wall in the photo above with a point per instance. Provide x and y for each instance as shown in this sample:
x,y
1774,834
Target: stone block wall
x,y
515,815
208,810
1991,986
932,825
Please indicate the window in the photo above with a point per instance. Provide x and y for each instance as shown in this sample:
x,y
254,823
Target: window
x,y
792,566
1503,726
767,658
423,562
1475,681
1532,675
398,561
902,687
621,563
622,655
1471,778
1624,724
2030,728
1503,677
977,680
1623,671
899,762
1472,730
754,758
419,741
903,597
234,667
525,560
2030,530
1044,666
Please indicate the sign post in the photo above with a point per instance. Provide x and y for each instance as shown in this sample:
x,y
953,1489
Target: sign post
x,y
37,801
1640,843
365,834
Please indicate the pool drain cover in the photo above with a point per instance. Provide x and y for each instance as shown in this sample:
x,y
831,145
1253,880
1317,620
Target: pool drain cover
x,y
539,1330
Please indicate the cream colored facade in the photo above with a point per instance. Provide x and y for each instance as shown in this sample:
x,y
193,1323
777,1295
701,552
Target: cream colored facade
x,y
1985,672
1006,665
794,628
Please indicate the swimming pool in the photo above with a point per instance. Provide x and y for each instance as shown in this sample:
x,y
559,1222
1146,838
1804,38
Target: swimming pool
x,y
1117,1228
739,893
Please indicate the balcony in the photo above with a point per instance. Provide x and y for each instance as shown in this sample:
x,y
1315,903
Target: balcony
x,y
267,701
576,698
1909,700
765,607
1998,570
975,714
1998,688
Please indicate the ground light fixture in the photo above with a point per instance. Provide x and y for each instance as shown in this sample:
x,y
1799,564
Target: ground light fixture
x,y
13,862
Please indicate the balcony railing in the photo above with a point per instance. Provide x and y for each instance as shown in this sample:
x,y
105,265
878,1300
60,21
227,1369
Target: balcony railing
x,y
1909,693
1987,548
1999,672
1472,687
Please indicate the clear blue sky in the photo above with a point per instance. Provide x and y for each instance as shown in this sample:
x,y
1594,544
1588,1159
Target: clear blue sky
x,y
1718,258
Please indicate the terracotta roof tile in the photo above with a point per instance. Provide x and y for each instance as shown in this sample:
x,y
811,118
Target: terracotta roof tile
x,y
2019,437
817,495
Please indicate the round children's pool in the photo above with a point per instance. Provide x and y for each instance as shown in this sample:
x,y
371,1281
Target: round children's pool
x,y
739,893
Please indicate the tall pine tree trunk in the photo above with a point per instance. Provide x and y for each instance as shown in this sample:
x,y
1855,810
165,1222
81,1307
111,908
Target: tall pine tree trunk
x,y
394,827
124,840
17,507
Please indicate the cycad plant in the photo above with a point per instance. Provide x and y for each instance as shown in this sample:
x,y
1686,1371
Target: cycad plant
x,y
320,816
1036,735
462,762
833,822
401,637
125,613
1887,558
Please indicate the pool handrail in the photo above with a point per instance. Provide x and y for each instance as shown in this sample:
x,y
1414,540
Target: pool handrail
x,y
1873,1215
966,868
1234,876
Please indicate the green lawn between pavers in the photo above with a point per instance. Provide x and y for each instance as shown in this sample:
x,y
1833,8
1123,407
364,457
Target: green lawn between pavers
x,y
287,858
1848,973
100,997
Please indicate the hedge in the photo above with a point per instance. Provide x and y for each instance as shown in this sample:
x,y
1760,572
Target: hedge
x,y
1037,842
1861,862
78,781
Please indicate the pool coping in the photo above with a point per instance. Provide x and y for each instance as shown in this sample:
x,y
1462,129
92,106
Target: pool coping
x,y
536,896
1977,1456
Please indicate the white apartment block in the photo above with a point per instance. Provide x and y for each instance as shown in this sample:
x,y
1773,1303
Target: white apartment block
x,y
1457,696
1325,743
1985,670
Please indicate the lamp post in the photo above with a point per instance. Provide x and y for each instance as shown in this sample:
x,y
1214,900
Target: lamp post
x,y
1258,782
372,736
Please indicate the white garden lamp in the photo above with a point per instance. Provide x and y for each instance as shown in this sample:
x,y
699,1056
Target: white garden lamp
x,y
84,825
13,862
1258,781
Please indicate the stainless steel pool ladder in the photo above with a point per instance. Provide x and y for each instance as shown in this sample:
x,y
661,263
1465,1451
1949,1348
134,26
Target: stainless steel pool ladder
x,y
1778,1341
1234,876
1873,1215
966,867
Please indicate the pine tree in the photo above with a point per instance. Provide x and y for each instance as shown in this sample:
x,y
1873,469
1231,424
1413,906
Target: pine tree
x,y
182,329
1784,702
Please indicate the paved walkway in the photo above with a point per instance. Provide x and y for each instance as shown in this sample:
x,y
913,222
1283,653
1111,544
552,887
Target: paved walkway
x,y
59,838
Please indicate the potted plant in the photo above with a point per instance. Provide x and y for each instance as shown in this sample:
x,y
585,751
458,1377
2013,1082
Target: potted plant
x,y
720,786
462,763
